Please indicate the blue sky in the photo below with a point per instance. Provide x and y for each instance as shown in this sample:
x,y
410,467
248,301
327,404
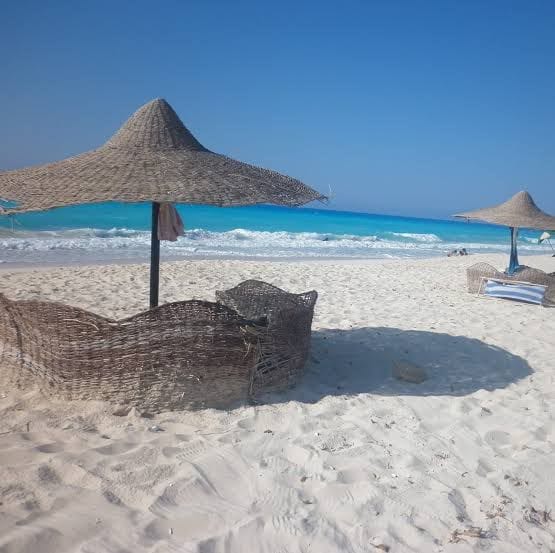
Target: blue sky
x,y
402,107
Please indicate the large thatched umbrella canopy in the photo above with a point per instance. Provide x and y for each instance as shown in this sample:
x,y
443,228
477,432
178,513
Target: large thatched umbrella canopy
x,y
520,211
154,158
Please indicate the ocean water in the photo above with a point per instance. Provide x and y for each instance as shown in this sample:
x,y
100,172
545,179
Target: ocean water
x,y
115,231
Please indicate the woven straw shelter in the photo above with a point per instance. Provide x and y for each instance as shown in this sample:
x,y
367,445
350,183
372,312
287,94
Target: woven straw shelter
x,y
520,211
286,344
152,158
189,354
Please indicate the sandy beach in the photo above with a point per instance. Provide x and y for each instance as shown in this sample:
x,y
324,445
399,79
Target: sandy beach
x,y
352,460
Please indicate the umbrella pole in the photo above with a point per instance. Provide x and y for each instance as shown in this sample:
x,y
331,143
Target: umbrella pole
x,y
513,263
154,257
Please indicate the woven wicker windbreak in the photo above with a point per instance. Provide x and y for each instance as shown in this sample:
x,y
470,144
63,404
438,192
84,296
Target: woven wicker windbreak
x,y
153,157
285,344
520,212
478,274
183,355
189,354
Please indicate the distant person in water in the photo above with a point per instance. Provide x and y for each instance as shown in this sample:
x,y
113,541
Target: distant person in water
x,y
455,252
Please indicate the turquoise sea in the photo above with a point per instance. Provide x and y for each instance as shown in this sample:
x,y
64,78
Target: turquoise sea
x,y
116,231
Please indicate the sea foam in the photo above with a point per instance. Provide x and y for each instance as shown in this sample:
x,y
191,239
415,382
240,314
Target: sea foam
x,y
124,243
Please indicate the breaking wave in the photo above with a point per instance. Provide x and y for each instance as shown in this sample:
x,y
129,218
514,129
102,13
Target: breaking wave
x,y
418,237
90,244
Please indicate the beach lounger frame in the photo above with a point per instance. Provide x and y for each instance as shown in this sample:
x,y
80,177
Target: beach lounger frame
x,y
512,283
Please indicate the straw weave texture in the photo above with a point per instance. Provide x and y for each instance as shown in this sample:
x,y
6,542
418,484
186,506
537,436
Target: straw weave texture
x,y
520,211
181,355
153,157
285,345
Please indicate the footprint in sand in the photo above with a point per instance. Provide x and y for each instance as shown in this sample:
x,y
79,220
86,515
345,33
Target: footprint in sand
x,y
457,500
184,438
18,495
247,424
170,451
228,439
287,523
116,448
49,448
276,464
213,496
334,444
111,497
192,451
497,439
47,475
483,468
352,476
278,502
156,530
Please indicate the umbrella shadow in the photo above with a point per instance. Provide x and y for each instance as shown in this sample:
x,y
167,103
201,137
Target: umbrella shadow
x,y
360,360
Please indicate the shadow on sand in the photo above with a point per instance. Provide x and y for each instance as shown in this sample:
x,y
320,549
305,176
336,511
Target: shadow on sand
x,y
361,361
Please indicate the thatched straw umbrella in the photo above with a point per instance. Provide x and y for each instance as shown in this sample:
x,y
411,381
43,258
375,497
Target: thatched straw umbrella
x,y
518,212
152,158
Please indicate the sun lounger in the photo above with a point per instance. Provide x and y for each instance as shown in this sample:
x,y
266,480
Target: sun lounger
x,y
512,290
479,273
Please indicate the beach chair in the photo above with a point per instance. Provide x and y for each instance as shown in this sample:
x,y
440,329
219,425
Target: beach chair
x,y
479,273
514,290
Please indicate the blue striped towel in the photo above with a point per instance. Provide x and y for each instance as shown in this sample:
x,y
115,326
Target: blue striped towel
x,y
530,293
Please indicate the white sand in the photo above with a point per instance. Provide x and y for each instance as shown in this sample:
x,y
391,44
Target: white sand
x,y
352,460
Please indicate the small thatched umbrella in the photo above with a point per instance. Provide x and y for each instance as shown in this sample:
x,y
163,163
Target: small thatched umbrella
x,y
518,212
154,158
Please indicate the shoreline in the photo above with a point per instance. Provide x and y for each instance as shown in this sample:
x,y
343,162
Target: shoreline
x,y
141,261
43,265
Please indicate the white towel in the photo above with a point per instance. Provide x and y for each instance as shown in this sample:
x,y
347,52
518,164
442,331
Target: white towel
x,y
170,225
